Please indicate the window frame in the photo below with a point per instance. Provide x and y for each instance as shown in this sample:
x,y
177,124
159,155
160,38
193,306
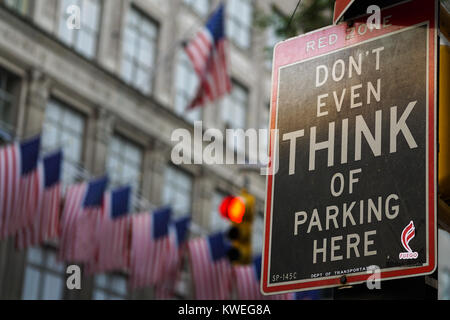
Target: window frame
x,y
191,5
183,62
124,141
258,226
264,123
134,59
443,269
10,87
240,147
15,7
271,35
171,168
108,290
75,34
67,108
237,22
224,106
44,270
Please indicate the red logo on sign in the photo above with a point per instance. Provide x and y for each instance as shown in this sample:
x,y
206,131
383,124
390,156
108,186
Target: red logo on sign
x,y
407,235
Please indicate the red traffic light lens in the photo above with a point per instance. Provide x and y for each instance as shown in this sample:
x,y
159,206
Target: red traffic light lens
x,y
223,208
232,208
236,210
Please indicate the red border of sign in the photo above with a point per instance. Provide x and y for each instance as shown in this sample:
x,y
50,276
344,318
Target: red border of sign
x,y
290,51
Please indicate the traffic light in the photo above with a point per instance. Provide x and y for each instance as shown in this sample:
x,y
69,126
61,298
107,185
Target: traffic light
x,y
240,211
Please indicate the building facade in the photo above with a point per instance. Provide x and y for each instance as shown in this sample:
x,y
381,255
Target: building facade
x,y
109,89
110,94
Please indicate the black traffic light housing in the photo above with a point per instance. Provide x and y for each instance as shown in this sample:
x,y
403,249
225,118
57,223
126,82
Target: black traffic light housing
x,y
240,231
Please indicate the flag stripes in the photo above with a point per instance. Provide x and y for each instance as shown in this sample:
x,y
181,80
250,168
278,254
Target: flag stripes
x,y
149,257
111,245
94,229
45,220
212,279
82,211
9,185
29,186
246,283
72,208
248,286
248,278
165,289
199,50
112,233
207,52
30,191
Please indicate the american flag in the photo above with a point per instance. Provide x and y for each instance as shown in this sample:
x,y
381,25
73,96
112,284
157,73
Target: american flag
x,y
112,233
149,247
26,201
248,279
9,184
45,222
210,268
82,209
207,52
177,236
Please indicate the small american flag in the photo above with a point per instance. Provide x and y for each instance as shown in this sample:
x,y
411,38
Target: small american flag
x,y
82,209
248,278
210,268
149,247
26,201
112,233
45,222
207,52
165,289
9,184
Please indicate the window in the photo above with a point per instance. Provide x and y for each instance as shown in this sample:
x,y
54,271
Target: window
x,y
234,108
44,276
444,265
139,51
110,287
186,86
234,115
272,35
199,6
7,114
444,284
257,235
177,191
85,39
124,163
64,128
218,223
239,22
264,124
21,6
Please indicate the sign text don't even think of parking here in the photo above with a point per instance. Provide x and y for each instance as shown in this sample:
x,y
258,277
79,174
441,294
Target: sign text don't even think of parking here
x,y
356,184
